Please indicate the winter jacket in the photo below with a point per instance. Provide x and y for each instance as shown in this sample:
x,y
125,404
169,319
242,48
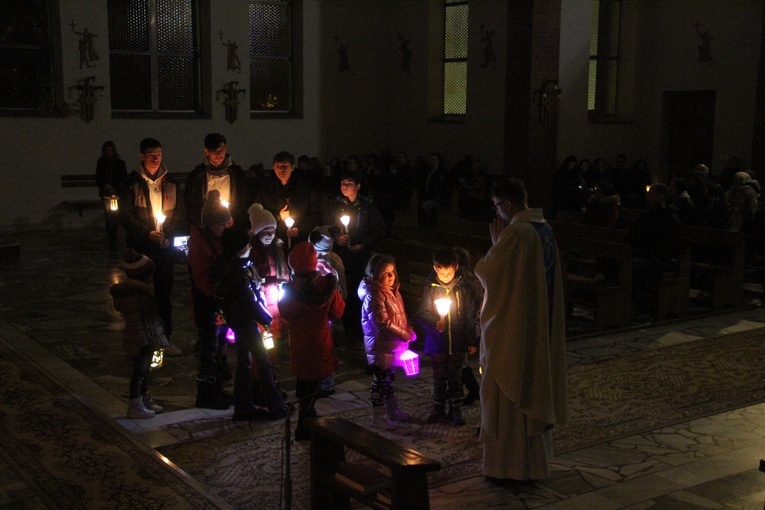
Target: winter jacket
x,y
383,320
135,300
304,205
195,193
460,323
204,250
239,292
366,227
137,216
310,301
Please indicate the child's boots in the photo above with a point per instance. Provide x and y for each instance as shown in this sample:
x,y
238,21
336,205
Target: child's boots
x,y
394,411
380,419
437,414
149,403
456,413
137,410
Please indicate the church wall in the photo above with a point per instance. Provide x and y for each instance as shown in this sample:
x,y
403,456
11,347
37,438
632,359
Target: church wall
x,y
662,47
37,151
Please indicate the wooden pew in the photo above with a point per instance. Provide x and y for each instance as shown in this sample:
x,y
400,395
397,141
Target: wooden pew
x,y
407,486
671,295
718,258
611,299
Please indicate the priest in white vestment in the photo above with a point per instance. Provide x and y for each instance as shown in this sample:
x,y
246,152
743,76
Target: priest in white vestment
x,y
523,351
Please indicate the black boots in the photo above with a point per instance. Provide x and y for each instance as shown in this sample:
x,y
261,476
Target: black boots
x,y
210,395
471,383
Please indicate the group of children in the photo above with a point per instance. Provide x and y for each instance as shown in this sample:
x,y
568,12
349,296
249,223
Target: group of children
x,y
258,289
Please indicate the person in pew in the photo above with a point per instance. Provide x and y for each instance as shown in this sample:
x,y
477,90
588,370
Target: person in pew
x,y
656,241
523,344
686,209
448,338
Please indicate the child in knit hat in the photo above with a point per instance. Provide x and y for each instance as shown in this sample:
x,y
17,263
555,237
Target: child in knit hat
x,y
310,301
243,306
204,249
267,256
144,332
323,240
329,262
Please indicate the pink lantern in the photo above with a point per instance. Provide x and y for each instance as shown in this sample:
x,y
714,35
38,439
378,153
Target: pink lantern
x,y
230,337
410,360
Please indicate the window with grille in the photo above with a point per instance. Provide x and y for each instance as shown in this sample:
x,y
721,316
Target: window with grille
x,y
271,56
455,56
28,69
604,58
154,56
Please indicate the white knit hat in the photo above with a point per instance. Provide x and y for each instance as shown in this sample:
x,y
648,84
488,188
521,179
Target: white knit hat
x,y
260,218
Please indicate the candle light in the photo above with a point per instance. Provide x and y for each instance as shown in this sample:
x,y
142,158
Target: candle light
x,y
647,188
157,358
225,203
114,203
289,222
345,220
160,220
443,305
268,340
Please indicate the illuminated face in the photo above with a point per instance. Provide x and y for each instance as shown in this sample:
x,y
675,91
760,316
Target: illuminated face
x,y
387,277
216,156
152,158
283,170
267,235
445,274
349,189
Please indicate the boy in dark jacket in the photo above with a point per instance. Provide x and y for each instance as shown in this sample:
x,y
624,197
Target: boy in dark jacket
x,y
448,337
241,300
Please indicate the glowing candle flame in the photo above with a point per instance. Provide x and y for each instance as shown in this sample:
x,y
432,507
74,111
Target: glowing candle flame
x,y
443,305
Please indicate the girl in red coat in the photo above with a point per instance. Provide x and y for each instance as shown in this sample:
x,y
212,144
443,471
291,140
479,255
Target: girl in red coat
x,y
310,301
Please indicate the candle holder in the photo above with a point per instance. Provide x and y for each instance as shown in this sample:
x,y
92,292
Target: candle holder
x,y
442,306
289,222
345,220
410,361
160,220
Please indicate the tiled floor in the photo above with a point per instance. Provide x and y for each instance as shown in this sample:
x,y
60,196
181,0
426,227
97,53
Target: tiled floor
x,y
54,308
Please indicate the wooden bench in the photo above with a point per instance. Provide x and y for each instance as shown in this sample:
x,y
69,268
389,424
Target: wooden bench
x,y
718,260
89,181
673,288
330,436
80,181
610,299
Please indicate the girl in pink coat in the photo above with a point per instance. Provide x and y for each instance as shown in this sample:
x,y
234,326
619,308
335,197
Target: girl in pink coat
x,y
386,335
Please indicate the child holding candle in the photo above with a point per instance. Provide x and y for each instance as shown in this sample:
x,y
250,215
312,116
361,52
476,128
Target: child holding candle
x,y
386,335
450,335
